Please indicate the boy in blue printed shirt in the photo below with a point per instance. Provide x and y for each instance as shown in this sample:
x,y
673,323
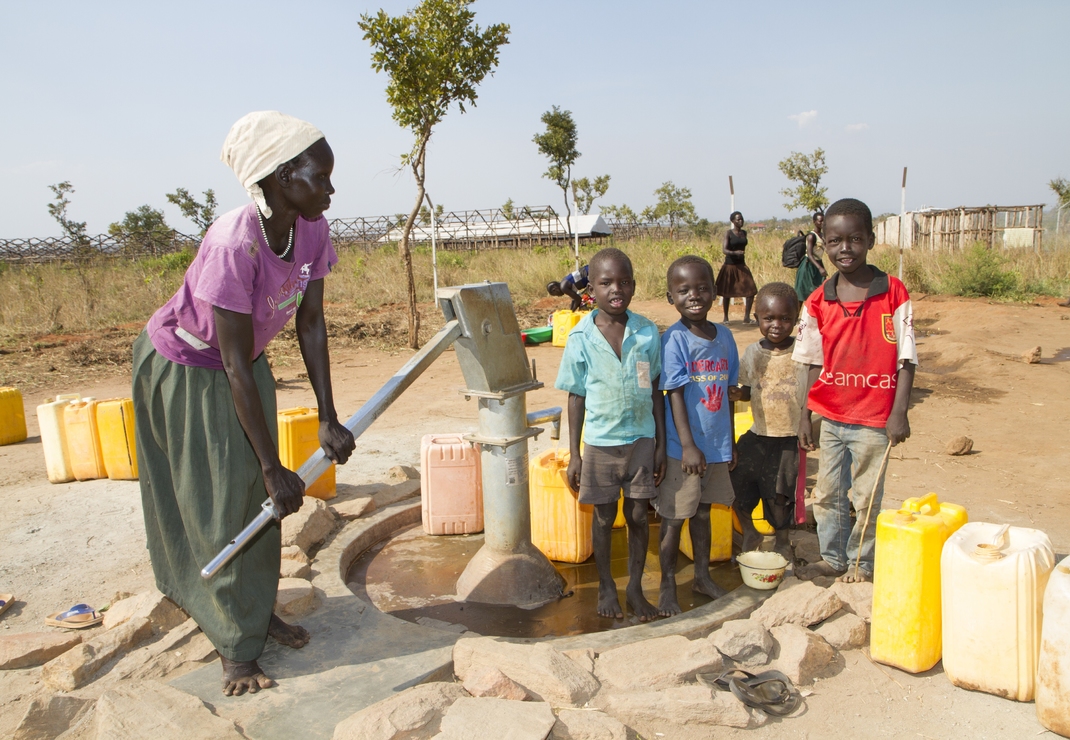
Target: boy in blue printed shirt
x,y
610,368
700,371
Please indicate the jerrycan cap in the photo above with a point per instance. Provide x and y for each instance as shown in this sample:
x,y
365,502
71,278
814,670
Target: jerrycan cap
x,y
987,552
904,516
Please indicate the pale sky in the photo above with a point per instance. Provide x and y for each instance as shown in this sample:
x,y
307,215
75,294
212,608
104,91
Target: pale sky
x,y
130,100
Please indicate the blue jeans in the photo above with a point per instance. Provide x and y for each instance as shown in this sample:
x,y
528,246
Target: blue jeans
x,y
851,457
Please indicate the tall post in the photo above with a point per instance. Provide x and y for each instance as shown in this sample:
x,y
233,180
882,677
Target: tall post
x,y
732,195
575,230
902,219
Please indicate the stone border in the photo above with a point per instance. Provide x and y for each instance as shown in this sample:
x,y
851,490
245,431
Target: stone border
x,y
346,545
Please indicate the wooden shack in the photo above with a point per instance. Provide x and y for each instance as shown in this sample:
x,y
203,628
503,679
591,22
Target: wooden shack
x,y
949,229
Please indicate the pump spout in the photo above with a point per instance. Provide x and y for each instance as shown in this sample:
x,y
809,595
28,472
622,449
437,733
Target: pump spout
x,y
551,415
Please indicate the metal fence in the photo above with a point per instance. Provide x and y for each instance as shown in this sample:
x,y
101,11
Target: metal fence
x,y
493,228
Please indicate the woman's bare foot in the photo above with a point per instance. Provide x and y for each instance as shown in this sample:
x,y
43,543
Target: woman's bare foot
x,y
608,605
668,605
708,587
820,568
290,635
242,676
638,603
855,576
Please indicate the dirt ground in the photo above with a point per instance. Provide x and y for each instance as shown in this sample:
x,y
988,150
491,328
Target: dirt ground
x,y
69,543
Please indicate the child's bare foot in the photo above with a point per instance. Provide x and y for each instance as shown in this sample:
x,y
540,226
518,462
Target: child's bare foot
x,y
708,587
290,635
853,576
242,676
820,568
668,605
608,605
638,603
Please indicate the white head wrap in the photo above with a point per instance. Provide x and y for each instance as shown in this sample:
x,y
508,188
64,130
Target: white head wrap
x,y
261,141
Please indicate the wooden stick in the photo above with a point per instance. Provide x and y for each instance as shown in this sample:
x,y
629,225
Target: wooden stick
x,y
872,495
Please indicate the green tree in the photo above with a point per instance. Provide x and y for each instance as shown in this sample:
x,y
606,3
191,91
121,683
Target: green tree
x,y
57,209
622,213
558,144
1061,188
508,209
805,169
588,191
143,227
201,214
425,214
435,55
674,205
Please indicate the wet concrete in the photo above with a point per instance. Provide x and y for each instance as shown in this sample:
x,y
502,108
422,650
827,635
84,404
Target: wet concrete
x,y
412,576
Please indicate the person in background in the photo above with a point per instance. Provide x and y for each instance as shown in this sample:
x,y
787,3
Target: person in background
x,y
574,285
735,280
811,272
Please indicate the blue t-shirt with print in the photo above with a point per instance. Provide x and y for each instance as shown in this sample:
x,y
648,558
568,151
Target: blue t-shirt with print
x,y
704,369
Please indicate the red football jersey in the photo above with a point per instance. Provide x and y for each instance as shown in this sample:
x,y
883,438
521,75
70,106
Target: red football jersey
x,y
860,347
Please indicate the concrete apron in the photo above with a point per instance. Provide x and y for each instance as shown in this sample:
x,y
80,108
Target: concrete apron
x,y
359,655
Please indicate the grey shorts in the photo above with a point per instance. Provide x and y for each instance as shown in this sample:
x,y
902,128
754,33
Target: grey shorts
x,y
608,470
680,493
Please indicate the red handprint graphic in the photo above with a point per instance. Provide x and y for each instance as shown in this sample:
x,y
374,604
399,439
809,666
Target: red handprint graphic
x,y
714,397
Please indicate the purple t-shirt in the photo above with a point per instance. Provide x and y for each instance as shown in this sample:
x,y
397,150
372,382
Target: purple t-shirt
x,y
236,270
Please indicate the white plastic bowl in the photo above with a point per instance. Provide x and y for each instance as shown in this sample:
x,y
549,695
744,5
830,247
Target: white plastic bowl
x,y
762,570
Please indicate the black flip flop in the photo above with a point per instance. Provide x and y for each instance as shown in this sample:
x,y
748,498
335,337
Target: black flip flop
x,y
771,691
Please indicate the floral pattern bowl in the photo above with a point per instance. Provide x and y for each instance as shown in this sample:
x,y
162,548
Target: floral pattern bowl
x,y
762,570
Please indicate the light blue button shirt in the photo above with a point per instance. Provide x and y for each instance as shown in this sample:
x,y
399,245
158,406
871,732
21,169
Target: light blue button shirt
x,y
617,392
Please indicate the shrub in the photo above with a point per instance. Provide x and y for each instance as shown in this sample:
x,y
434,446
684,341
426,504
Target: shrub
x,y
981,273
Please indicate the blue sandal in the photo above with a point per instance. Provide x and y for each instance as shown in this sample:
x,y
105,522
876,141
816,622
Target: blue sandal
x,y
77,617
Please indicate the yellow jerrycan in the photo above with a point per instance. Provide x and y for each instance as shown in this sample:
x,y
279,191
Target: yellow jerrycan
x,y
12,417
83,439
564,321
298,439
115,425
905,631
560,524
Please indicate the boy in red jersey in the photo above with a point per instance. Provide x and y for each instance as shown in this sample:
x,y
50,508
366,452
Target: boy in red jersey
x,y
857,334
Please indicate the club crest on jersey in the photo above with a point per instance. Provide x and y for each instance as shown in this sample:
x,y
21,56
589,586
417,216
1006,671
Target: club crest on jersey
x,y
888,327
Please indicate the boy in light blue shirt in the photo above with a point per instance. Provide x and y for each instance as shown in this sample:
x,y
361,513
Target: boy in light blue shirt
x,y
611,368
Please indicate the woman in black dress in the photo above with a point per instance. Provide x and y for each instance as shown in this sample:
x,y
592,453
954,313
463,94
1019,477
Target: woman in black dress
x,y
735,279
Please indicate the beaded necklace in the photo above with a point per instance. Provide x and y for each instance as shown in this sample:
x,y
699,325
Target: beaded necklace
x,y
263,230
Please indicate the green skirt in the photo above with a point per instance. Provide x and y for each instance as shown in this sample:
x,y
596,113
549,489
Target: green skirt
x,y
807,279
201,484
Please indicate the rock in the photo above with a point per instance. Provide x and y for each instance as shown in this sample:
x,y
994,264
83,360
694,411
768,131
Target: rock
x,y
745,641
857,598
844,631
545,673
650,711
144,656
806,546
1031,356
585,724
415,710
487,681
295,596
27,649
48,717
959,446
149,709
399,491
800,654
584,657
293,552
197,649
800,602
79,665
659,663
400,473
161,612
309,525
353,508
483,719
295,569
